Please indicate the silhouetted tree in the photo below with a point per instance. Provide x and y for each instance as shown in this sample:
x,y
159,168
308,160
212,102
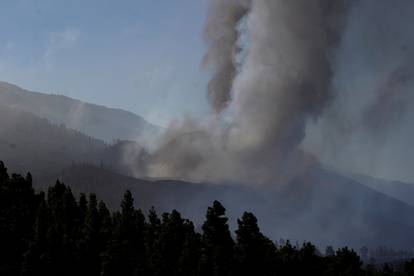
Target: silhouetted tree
x,y
217,251
64,229
310,260
289,259
152,234
409,267
255,254
346,262
191,252
90,242
17,214
37,259
170,244
83,206
329,251
126,252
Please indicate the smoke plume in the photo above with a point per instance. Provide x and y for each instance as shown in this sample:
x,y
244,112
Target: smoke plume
x,y
222,36
263,104
368,127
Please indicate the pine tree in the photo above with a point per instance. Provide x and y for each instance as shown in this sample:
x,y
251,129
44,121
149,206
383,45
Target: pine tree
x,y
83,206
90,243
255,254
126,251
289,259
310,260
152,240
329,251
191,252
64,231
37,259
346,262
4,176
217,251
170,243
106,229
17,214
409,267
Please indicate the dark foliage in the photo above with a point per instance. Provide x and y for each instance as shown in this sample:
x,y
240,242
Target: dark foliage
x,y
55,234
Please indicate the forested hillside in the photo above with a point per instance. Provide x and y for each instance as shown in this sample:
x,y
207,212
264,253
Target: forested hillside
x,y
333,209
53,233
30,142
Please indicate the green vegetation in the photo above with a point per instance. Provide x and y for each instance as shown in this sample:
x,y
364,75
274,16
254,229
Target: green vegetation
x,y
57,234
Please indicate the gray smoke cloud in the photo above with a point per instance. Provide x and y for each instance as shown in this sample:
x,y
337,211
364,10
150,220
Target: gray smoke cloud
x,y
283,81
286,78
368,127
222,36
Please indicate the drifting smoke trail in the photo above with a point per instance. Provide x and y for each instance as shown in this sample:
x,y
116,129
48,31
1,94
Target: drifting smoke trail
x,y
284,81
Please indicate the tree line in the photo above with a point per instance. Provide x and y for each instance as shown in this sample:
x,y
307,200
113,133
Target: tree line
x,y
55,233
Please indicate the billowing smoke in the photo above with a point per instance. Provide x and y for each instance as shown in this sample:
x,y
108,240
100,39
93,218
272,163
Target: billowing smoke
x,y
368,128
263,104
222,36
285,80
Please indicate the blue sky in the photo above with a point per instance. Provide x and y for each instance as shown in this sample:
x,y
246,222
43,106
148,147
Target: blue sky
x,y
139,55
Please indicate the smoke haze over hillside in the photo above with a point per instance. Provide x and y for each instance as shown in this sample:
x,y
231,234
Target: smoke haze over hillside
x,y
368,127
295,82
263,104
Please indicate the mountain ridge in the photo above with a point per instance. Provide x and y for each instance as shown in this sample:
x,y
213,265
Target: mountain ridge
x,y
99,121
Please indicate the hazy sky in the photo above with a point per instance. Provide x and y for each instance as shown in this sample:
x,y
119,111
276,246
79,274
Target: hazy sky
x,y
140,55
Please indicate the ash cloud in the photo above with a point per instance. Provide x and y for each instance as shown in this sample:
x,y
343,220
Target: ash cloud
x,y
261,106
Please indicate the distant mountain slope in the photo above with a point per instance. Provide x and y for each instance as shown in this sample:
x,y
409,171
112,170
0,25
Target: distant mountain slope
x,y
30,143
397,189
97,121
320,206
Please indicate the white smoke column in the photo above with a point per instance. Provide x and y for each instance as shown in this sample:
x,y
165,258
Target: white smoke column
x,y
284,81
